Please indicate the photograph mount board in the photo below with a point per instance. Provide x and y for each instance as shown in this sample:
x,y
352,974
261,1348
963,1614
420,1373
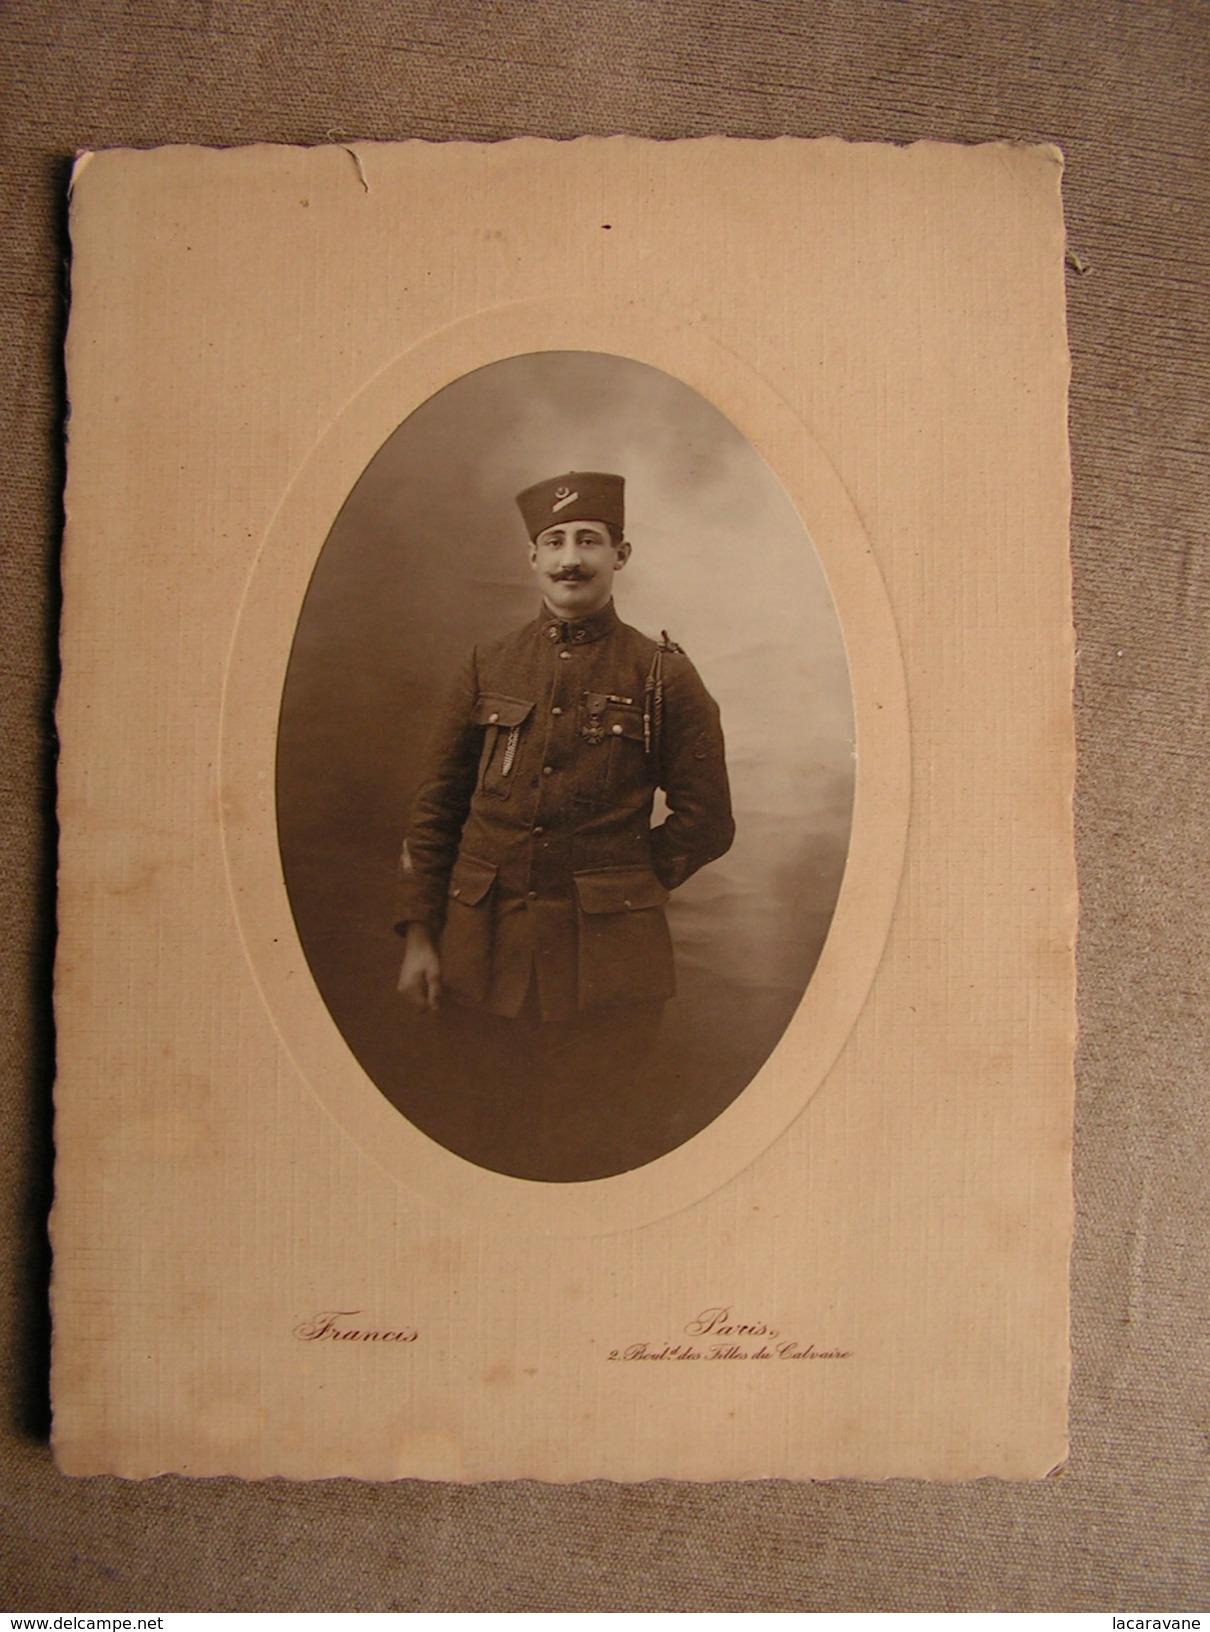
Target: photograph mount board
x,y
262,1267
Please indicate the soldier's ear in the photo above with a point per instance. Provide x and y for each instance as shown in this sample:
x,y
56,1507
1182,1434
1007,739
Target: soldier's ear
x,y
621,554
533,553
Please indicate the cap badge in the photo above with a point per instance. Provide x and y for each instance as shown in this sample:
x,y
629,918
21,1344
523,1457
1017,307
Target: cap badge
x,y
562,499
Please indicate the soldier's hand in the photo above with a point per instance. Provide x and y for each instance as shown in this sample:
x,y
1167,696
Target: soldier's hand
x,y
420,977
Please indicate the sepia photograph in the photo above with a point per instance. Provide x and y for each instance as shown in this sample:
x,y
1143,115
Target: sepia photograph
x,y
348,357
565,765
577,858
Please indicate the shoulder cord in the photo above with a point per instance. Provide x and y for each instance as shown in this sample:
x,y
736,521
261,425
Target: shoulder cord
x,y
653,702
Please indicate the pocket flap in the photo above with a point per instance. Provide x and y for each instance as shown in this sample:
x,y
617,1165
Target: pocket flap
x,y
620,889
471,879
492,709
618,717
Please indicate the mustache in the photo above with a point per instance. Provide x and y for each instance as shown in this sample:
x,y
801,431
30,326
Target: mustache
x,y
571,575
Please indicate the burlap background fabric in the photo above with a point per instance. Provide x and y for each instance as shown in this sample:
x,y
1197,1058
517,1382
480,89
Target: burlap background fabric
x,y
1120,85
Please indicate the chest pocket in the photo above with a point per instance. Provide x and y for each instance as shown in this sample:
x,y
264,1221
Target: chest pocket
x,y
503,722
612,744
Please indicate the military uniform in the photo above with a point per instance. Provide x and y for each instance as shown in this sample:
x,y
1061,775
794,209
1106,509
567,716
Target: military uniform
x,y
531,858
531,851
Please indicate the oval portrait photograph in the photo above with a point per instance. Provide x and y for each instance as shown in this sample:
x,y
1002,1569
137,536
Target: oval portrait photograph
x,y
565,766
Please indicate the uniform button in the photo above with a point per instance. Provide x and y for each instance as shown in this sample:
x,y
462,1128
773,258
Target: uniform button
x,y
617,730
531,895
548,770
556,710
492,718
625,903
455,892
539,831
564,654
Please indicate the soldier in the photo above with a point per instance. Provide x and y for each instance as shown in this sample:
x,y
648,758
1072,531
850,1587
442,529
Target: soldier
x,y
533,881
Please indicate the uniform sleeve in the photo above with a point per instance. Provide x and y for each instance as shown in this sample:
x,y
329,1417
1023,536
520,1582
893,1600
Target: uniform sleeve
x,y
699,827
440,808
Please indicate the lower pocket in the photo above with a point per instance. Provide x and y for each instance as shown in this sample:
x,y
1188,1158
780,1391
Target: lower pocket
x,y
625,950
466,943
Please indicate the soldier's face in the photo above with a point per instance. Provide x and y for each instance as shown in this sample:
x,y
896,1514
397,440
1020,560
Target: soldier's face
x,y
575,563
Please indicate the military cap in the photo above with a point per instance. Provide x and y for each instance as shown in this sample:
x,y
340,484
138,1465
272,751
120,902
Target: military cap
x,y
580,495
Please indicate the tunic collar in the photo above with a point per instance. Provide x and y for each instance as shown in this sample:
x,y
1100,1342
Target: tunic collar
x,y
579,631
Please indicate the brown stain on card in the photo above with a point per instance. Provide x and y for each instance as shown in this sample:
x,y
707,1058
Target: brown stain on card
x,y
180,1130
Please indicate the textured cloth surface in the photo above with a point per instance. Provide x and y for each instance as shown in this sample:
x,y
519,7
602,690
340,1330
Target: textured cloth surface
x,y
1120,87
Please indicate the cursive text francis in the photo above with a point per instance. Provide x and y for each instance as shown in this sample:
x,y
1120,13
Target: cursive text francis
x,y
330,1326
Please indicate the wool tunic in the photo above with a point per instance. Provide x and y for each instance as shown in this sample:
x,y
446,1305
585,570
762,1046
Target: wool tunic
x,y
531,856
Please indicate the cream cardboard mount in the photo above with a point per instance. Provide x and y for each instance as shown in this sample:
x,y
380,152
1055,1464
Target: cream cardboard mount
x,y
267,1261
